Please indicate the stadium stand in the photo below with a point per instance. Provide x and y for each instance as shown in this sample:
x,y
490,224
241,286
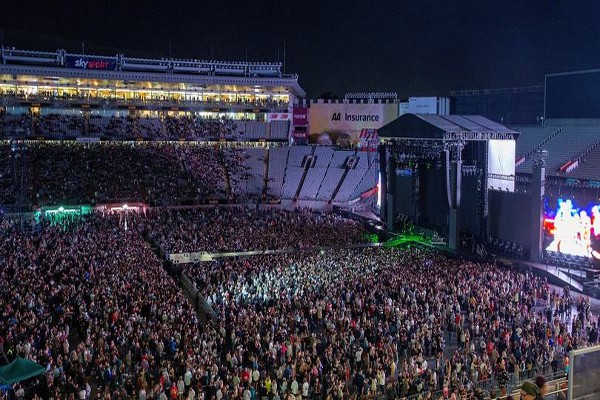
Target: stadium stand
x,y
563,144
276,170
249,179
351,180
279,130
330,183
531,139
312,183
588,164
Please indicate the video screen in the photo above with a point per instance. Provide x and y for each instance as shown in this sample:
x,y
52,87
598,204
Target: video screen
x,y
574,230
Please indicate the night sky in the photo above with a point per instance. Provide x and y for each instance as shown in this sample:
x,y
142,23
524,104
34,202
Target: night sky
x,y
414,48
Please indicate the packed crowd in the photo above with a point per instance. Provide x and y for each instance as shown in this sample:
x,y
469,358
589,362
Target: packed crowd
x,y
158,173
94,306
129,127
59,125
380,323
92,303
242,228
11,95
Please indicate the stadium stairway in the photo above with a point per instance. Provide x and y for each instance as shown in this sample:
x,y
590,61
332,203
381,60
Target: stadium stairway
x,y
227,175
204,311
308,163
266,175
587,164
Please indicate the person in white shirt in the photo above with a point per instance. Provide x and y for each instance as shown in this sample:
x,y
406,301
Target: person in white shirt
x,y
305,388
191,394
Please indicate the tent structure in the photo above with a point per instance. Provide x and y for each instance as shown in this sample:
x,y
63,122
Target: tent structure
x,y
19,370
445,127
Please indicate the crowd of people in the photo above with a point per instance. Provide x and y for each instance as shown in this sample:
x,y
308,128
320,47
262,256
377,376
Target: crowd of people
x,y
131,126
157,100
91,302
380,323
217,230
157,173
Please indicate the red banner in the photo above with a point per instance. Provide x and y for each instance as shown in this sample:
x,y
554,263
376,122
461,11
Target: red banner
x,y
300,116
300,133
278,117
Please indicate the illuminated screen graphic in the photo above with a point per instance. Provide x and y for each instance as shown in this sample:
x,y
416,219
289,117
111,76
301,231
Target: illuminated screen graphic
x,y
574,230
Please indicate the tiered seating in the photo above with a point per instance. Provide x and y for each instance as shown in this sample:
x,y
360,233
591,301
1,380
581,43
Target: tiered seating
x,y
351,181
368,182
150,128
98,125
589,166
297,154
293,175
60,125
531,136
323,156
330,182
253,129
339,158
362,160
249,179
279,129
312,183
277,162
567,145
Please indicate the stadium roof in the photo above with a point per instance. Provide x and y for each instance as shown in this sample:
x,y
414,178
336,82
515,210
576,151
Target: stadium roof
x,y
445,127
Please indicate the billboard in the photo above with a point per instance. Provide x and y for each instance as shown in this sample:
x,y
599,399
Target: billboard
x,y
573,95
428,105
95,63
300,116
501,164
574,230
349,119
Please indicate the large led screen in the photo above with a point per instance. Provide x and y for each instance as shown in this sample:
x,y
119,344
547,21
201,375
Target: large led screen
x,y
574,229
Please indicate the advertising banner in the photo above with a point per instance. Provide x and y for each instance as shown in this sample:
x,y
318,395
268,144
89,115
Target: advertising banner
x,y
95,63
422,105
300,116
278,117
300,133
369,139
349,120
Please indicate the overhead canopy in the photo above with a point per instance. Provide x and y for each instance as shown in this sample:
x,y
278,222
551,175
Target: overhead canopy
x,y
448,127
19,370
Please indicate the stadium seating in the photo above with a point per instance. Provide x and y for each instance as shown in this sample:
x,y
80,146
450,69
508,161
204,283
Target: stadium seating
x,y
279,129
565,144
531,138
589,166
248,181
277,162
312,182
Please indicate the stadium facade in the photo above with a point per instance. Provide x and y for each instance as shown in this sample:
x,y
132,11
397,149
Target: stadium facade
x,y
41,83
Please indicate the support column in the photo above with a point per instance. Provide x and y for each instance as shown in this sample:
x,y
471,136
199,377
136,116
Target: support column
x,y
391,191
453,188
384,180
538,186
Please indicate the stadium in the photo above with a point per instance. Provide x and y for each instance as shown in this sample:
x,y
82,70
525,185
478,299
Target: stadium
x,y
200,229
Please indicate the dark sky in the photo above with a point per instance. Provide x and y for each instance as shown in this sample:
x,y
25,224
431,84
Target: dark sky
x,y
415,48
